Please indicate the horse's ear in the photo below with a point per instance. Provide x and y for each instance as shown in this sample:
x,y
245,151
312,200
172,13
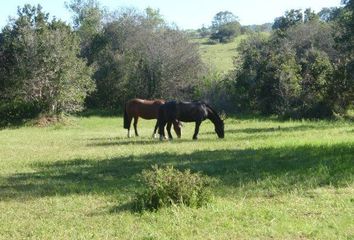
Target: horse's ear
x,y
223,115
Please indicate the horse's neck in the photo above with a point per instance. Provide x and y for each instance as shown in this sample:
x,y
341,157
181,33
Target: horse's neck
x,y
212,116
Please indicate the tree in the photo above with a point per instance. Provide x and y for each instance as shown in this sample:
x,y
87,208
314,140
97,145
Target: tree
x,y
142,57
347,23
310,15
291,18
154,17
225,26
293,72
41,66
203,31
87,19
346,43
330,14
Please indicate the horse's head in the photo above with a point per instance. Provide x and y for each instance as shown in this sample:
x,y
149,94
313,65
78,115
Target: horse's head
x,y
177,127
219,128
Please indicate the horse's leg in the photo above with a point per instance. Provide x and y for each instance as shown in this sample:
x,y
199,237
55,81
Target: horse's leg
x,y
196,130
155,129
162,130
169,125
135,126
129,123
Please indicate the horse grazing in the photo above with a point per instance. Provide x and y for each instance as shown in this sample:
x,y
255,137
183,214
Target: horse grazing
x,y
188,112
146,109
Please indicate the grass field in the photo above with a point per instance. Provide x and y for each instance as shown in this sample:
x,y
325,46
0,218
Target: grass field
x,y
219,57
277,180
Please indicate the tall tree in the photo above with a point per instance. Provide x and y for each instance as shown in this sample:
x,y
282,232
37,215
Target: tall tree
x,y
296,72
347,46
225,26
291,18
310,15
154,17
87,18
143,57
329,14
40,64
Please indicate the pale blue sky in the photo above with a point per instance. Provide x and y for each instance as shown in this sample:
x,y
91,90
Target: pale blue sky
x,y
185,13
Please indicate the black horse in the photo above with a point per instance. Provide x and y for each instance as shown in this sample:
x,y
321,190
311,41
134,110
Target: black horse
x,y
188,112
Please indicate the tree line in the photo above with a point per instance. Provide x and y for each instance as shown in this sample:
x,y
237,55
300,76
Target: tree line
x,y
303,68
49,67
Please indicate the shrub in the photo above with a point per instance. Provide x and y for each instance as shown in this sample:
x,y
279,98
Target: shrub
x,y
168,186
17,112
39,63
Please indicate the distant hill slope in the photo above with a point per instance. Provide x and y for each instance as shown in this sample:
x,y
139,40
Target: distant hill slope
x,y
219,56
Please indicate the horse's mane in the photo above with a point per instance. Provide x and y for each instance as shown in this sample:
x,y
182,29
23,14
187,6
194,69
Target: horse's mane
x,y
147,101
212,110
206,104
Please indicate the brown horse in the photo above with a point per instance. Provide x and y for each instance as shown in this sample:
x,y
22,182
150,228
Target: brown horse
x,y
146,109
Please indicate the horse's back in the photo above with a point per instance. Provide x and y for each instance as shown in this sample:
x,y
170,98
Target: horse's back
x,y
185,111
147,109
192,111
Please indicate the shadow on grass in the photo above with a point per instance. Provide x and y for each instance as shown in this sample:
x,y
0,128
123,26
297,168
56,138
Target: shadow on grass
x,y
266,133
281,129
100,113
106,142
255,171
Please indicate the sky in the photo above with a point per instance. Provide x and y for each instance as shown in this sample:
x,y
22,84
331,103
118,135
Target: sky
x,y
186,14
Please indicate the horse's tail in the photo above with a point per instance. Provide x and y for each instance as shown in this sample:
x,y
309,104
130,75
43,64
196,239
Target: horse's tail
x,y
126,120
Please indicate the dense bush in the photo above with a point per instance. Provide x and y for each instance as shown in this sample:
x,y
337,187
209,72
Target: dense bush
x,y
138,55
216,89
296,72
168,186
16,112
40,64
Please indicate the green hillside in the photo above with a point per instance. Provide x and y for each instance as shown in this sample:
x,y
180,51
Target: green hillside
x,y
219,56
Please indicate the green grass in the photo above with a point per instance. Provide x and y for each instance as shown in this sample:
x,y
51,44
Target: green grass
x,y
276,179
219,57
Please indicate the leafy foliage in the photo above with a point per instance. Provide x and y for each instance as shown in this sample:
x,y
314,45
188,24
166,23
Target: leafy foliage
x,y
346,45
87,20
169,186
296,72
40,64
291,18
137,55
225,27
303,69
